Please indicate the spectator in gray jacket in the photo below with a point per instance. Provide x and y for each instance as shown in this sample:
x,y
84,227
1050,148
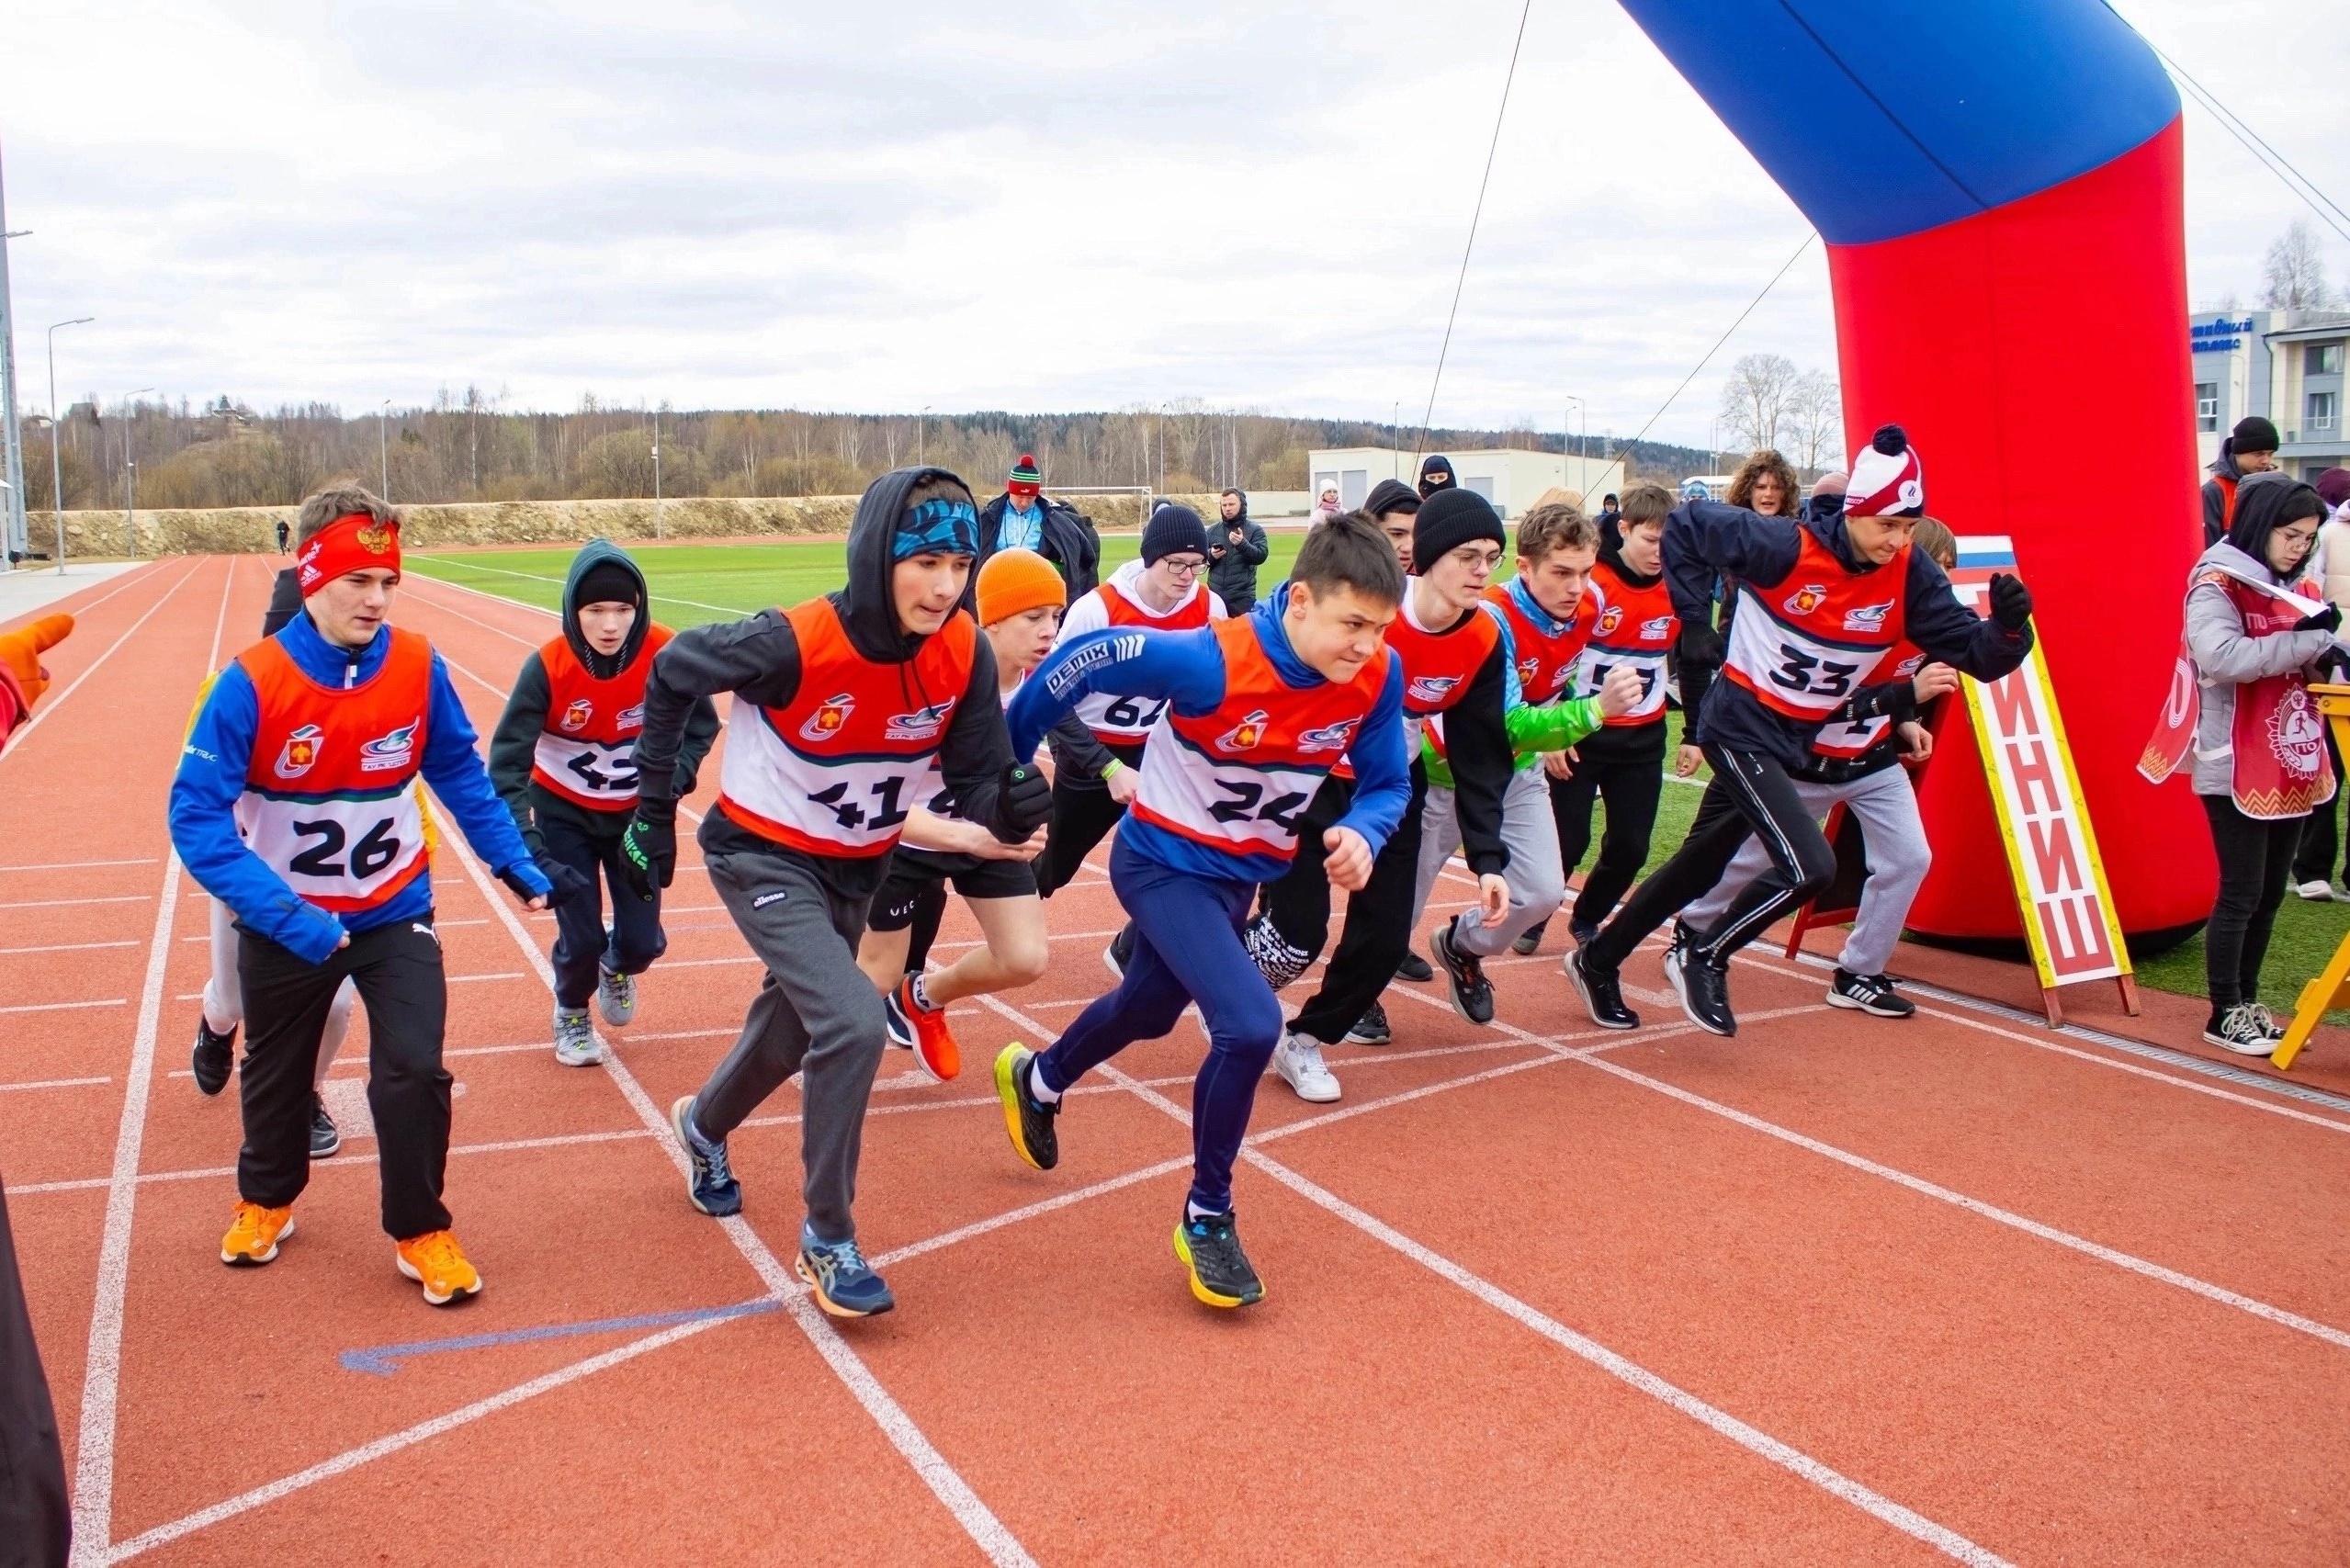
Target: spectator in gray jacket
x,y
1235,552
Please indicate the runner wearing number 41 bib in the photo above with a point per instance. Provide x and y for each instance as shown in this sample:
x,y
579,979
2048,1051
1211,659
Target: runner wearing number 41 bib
x,y
563,757
1822,604
1162,591
295,806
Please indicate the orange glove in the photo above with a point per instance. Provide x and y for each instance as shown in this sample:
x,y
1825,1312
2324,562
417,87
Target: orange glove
x,y
21,649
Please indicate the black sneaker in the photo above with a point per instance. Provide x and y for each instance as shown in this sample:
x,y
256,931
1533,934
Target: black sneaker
x,y
1872,994
1371,1029
1580,932
1530,941
1414,968
325,1138
2243,1029
1221,1273
213,1056
1703,984
1028,1120
1602,994
1472,992
1120,951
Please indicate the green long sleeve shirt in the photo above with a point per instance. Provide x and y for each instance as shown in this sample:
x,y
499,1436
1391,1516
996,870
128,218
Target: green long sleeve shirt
x,y
1532,729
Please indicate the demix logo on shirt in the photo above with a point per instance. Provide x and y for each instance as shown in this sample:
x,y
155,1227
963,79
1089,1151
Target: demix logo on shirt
x,y
829,719
300,754
386,752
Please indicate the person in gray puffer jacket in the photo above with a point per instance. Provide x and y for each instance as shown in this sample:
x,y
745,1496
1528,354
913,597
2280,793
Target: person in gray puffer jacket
x,y
2268,542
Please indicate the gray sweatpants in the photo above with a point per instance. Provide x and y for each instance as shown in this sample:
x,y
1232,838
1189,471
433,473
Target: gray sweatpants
x,y
816,1014
1537,881
1899,855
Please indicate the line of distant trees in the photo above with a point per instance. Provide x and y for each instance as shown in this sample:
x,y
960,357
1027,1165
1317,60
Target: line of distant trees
x,y
471,447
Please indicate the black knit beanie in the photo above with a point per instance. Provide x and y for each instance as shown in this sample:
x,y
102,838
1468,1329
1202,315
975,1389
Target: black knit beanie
x,y
1173,529
609,582
1391,495
1449,519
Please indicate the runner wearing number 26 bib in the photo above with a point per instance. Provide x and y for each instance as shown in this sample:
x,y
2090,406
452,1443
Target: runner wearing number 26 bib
x,y
563,758
295,806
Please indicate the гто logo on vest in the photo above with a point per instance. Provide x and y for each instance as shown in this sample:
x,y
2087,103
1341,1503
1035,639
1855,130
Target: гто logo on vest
x,y
576,717
1805,599
829,719
2295,734
1329,738
1868,618
920,725
300,754
1431,688
387,751
1244,735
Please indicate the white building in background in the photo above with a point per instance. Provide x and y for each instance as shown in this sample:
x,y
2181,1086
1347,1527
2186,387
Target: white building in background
x,y
1511,480
2285,365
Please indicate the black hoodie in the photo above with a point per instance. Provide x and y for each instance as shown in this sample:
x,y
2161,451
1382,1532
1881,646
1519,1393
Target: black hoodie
x,y
757,659
514,743
1232,571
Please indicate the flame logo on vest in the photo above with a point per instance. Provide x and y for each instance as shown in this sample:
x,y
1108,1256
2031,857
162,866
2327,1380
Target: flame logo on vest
x,y
1868,618
300,754
1430,688
1609,619
2295,734
631,718
576,717
830,719
386,752
1244,735
1328,737
922,723
1805,599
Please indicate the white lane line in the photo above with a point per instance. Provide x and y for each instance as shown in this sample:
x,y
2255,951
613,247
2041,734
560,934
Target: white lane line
x,y
535,609
66,1007
68,947
102,1366
502,975
51,1083
1755,1441
80,864
75,903
976,1519
15,740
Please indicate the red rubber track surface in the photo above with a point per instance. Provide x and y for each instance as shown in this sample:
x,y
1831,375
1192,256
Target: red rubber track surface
x,y
1836,1290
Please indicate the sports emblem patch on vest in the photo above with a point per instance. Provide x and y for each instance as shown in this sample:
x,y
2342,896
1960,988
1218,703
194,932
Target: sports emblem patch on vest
x,y
828,719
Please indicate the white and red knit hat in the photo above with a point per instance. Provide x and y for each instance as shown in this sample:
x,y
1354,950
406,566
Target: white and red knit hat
x,y
1887,479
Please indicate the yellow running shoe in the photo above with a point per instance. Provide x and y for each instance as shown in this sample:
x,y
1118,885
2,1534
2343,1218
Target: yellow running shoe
x,y
1026,1118
435,1261
254,1234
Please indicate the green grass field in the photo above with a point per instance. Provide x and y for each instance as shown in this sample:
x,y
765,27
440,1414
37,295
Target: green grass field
x,y
693,583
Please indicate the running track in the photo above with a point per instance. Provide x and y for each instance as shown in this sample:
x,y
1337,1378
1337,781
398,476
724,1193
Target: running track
x,y
1837,1291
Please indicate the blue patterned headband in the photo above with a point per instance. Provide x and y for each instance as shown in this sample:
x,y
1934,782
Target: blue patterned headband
x,y
938,527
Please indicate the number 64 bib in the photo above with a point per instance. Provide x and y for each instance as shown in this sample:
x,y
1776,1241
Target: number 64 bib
x,y
329,803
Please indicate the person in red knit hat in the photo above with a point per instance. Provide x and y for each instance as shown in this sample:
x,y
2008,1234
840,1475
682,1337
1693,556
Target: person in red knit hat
x,y
1023,518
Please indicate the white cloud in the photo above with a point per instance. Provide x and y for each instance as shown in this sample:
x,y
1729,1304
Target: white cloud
x,y
1034,205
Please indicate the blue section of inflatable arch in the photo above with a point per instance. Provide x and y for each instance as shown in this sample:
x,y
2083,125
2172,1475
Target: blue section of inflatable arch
x,y
1884,118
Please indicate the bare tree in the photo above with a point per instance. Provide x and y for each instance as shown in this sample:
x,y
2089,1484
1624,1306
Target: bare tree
x,y
1816,418
2293,273
1754,399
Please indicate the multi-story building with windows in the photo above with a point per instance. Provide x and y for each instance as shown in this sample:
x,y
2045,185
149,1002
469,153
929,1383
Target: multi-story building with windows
x,y
2286,365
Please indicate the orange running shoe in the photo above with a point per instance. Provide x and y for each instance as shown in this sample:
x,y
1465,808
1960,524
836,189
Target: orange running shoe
x,y
435,1261
254,1234
925,1030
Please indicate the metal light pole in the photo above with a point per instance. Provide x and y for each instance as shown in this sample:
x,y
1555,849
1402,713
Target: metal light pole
x,y
14,441
56,484
922,438
383,447
1585,415
131,471
657,524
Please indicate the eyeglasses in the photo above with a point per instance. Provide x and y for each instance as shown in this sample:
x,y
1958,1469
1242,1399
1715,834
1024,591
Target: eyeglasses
x,y
1182,568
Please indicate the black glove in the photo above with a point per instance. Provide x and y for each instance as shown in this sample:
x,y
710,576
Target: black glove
x,y
649,853
1024,802
2011,602
567,878
1701,645
2326,620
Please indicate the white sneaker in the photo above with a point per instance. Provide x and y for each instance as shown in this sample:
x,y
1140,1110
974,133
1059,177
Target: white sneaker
x,y
2318,892
1298,1060
575,1041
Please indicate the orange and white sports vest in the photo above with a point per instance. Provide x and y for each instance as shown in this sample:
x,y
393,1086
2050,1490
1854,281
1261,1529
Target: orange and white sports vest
x,y
1812,641
1127,721
328,803
1439,668
587,748
835,771
1546,661
1636,631
1853,739
1236,778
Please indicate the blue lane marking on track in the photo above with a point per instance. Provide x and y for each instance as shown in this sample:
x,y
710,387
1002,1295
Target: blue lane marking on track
x,y
383,1360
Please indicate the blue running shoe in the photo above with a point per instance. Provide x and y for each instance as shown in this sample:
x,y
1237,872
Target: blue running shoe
x,y
711,1186
844,1283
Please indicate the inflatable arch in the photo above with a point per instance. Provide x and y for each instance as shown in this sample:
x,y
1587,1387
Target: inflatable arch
x,y
1999,184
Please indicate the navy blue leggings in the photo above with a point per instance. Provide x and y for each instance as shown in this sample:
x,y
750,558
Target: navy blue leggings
x,y
1186,949
582,943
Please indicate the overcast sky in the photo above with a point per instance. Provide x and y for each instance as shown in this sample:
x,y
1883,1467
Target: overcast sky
x,y
1034,205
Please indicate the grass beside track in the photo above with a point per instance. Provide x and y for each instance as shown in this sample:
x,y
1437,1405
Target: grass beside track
x,y
693,583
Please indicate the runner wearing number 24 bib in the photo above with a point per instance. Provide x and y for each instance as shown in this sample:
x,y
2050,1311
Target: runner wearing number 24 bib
x,y
295,805
563,757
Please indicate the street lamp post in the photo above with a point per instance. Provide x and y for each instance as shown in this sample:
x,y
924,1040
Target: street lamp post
x,y
11,435
131,471
1584,414
922,438
656,522
383,447
56,484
